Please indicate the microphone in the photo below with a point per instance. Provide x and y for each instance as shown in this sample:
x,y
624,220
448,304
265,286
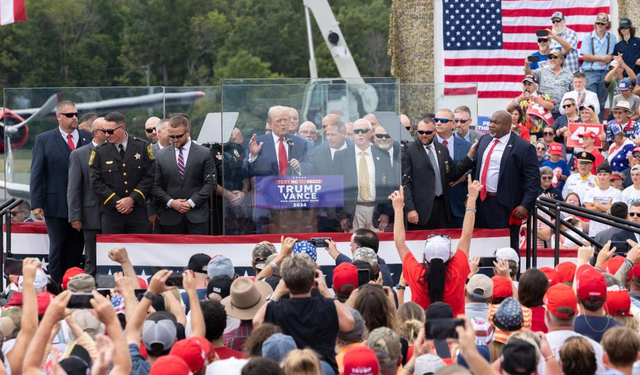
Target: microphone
x,y
290,144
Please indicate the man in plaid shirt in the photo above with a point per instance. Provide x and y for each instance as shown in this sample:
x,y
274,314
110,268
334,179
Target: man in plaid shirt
x,y
561,31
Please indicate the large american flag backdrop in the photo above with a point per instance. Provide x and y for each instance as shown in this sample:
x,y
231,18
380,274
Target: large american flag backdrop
x,y
486,41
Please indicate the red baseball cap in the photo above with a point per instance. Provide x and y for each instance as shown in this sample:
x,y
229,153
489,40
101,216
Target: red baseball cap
x,y
552,275
635,150
555,149
558,296
69,274
360,360
191,351
170,365
635,272
345,278
613,265
618,302
210,353
502,287
591,284
588,133
566,271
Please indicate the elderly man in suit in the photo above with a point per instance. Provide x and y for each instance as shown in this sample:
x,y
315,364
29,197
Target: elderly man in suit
x,y
184,181
368,181
427,169
458,148
279,153
507,168
84,210
48,187
462,121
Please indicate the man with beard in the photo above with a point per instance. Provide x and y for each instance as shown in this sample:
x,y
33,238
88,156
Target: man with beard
x,y
554,80
561,31
384,142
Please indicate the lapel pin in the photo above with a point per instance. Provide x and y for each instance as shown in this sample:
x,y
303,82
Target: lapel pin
x,y
377,158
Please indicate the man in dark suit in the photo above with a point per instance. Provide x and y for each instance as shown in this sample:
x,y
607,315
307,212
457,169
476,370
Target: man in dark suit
x,y
462,120
458,148
48,187
273,154
184,181
507,168
427,185
623,235
367,182
84,210
121,173
384,142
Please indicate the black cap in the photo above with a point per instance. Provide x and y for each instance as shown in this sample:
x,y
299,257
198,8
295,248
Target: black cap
x,y
585,156
519,357
199,263
78,362
625,23
530,78
220,285
439,310
604,168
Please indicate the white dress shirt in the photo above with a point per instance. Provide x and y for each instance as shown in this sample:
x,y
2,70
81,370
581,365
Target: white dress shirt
x,y
276,142
450,142
371,168
390,151
75,136
124,143
334,150
185,154
493,173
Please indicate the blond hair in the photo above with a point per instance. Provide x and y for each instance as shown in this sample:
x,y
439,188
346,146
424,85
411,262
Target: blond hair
x,y
302,362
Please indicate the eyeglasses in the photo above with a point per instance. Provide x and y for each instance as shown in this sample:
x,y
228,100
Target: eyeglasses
x,y
600,24
552,57
460,121
423,132
548,133
556,21
70,114
385,136
547,177
111,131
567,106
177,136
543,40
441,120
150,130
361,131
634,214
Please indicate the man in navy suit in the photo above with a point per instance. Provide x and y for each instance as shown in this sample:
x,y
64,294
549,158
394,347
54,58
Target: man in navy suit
x,y
48,188
623,235
458,148
507,167
273,154
368,181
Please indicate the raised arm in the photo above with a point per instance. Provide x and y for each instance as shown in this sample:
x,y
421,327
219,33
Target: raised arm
x,y
29,318
134,325
286,247
469,221
399,234
120,256
107,315
197,318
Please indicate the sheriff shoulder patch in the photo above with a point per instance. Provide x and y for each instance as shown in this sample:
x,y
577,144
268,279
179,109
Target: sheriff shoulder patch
x,y
151,157
93,156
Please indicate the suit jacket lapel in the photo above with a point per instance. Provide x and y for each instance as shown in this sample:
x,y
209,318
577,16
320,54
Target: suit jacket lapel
x,y
423,152
190,157
62,144
505,155
482,146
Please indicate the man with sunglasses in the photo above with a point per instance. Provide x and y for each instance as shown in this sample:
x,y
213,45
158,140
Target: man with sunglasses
x,y
383,141
21,213
597,52
121,174
406,122
539,103
561,31
84,209
185,178
427,170
462,120
634,215
48,187
554,80
150,128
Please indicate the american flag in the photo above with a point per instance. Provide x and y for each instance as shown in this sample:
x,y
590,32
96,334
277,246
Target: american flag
x,y
486,41
12,11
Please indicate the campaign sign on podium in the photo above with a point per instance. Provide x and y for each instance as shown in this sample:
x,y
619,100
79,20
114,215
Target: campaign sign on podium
x,y
283,192
577,128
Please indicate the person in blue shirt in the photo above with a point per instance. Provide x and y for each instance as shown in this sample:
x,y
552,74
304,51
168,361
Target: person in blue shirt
x,y
558,165
629,45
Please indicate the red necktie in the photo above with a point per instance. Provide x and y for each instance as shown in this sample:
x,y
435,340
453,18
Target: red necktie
x,y
70,142
483,177
283,163
445,142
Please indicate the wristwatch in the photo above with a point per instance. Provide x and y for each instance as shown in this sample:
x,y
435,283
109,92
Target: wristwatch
x,y
149,295
400,287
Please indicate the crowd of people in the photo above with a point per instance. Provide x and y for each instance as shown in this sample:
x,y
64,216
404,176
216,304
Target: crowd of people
x,y
446,315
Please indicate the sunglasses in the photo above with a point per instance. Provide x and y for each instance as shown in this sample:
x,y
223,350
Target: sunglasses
x,y
541,149
600,24
110,131
177,136
423,132
408,128
70,114
543,40
150,130
636,156
547,177
556,21
381,136
548,133
634,214
361,131
552,57
567,106
441,120
459,121
624,28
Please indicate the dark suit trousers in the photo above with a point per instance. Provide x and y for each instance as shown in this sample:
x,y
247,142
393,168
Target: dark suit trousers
x,y
65,246
493,215
438,219
186,227
137,222
90,262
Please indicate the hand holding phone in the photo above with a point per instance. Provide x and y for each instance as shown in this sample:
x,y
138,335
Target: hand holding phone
x,y
441,329
542,33
533,59
320,241
80,301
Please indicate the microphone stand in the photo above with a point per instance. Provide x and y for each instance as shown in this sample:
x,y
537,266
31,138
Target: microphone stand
x,y
290,144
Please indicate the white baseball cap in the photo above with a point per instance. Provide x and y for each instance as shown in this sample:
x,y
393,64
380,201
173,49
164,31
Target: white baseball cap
x,y
507,253
438,247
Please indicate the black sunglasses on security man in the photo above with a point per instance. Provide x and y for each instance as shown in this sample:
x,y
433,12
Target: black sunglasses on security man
x,y
70,114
